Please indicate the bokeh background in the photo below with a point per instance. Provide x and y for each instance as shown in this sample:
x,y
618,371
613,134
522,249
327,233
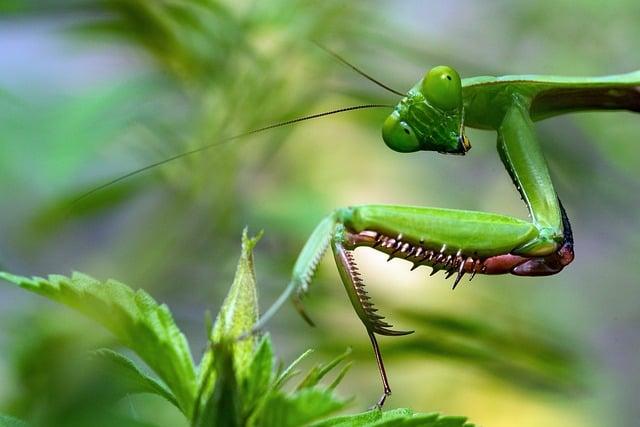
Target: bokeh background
x,y
91,89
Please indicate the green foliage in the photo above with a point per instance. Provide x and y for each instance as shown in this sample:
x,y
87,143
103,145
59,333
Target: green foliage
x,y
135,318
291,370
524,356
239,312
238,383
396,417
70,143
259,379
273,406
221,404
297,409
321,370
6,421
254,395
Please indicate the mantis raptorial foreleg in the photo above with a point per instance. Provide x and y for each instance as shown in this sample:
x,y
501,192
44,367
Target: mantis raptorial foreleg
x,y
432,116
456,241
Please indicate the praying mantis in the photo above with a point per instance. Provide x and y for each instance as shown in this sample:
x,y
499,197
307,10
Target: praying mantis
x,y
432,116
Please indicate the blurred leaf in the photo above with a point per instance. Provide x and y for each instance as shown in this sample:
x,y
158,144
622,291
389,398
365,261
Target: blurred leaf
x,y
290,371
6,421
319,371
56,380
50,218
529,356
133,317
338,379
64,133
396,417
58,385
134,380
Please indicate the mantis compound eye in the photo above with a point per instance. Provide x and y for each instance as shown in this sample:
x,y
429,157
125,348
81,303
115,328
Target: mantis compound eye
x,y
398,135
442,88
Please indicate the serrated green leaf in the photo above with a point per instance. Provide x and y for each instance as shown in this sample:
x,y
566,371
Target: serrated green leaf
x,y
363,419
135,318
319,371
135,381
402,417
297,409
6,421
308,403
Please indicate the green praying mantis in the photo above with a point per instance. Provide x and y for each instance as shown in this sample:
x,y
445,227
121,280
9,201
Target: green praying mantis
x,y
432,116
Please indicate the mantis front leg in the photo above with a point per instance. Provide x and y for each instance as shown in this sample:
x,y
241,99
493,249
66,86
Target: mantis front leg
x,y
456,241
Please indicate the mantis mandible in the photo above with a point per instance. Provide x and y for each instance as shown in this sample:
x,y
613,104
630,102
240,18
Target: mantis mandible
x,y
432,116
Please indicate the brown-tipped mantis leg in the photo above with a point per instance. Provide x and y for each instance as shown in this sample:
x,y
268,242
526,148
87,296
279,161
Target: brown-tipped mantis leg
x,y
383,373
361,301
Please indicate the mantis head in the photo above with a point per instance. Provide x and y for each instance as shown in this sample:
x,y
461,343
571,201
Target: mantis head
x,y
430,117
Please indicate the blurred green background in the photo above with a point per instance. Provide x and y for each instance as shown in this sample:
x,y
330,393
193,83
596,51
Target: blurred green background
x,y
91,89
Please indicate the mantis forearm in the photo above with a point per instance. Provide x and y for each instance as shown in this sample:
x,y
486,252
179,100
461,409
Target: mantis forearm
x,y
444,239
522,156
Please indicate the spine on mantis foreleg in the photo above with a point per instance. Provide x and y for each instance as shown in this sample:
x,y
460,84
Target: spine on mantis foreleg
x,y
308,260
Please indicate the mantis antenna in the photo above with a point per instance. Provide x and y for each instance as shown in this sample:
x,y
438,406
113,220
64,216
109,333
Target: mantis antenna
x,y
359,71
222,142
254,131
